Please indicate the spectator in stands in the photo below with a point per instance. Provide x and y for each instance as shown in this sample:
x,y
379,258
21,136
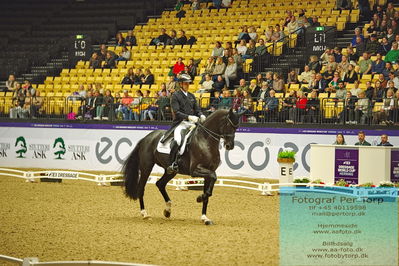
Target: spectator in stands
x,y
237,99
312,108
292,77
332,63
135,106
263,93
242,47
356,90
390,11
390,86
192,68
130,39
219,68
278,34
26,108
269,79
163,104
288,103
259,79
253,88
383,116
379,91
339,140
98,105
358,34
388,70
343,4
385,46
384,141
328,75
11,83
315,22
129,77
28,88
138,75
209,67
350,76
95,61
365,64
314,64
120,41
293,25
172,40
250,54
340,91
215,101
348,114
362,139
362,108
278,83
393,54
337,54
207,85
109,61
360,47
344,64
181,38
252,33
372,45
162,39
261,48
320,84
18,102
37,103
226,101
126,101
394,80
228,50
148,77
107,106
351,55
218,85
178,67
373,29
171,85
242,85
218,50
124,55
269,34
243,35
378,65
299,109
305,75
324,58
239,61
270,107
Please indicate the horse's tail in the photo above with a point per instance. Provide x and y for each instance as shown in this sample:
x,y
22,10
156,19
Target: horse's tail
x,y
131,173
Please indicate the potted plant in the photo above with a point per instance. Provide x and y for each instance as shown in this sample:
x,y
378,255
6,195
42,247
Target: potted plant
x,y
286,160
318,181
367,185
386,184
342,183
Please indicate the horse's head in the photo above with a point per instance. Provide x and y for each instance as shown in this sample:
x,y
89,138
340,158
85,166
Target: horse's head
x,y
229,129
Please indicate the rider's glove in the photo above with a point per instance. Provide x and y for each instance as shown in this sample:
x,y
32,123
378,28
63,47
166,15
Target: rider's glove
x,y
202,118
193,118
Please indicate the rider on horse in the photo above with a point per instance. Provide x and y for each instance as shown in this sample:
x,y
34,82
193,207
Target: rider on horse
x,y
186,114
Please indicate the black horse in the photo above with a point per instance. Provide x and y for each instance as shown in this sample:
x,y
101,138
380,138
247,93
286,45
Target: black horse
x,y
200,159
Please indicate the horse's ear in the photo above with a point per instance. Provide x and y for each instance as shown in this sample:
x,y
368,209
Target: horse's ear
x,y
231,112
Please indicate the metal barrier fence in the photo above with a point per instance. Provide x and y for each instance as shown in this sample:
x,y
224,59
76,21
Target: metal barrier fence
x,y
321,110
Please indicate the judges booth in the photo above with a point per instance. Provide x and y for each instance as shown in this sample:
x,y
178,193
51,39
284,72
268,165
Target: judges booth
x,y
354,164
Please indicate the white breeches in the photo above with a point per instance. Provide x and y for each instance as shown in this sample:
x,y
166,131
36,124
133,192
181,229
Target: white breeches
x,y
177,133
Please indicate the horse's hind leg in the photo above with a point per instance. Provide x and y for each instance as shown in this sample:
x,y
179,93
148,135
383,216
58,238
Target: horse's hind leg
x,y
161,184
144,174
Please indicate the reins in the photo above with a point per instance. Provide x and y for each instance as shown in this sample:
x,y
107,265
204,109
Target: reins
x,y
215,135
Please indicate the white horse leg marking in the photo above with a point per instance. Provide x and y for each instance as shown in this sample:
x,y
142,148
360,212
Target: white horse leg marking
x,y
145,214
206,220
168,209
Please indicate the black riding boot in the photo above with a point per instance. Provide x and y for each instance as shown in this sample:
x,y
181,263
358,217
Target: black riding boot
x,y
173,157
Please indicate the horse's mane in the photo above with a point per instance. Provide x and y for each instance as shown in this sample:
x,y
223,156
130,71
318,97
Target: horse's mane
x,y
217,114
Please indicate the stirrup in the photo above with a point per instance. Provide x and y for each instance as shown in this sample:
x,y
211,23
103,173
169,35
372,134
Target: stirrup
x,y
172,169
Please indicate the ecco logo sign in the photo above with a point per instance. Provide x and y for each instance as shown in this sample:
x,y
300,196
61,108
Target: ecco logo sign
x,y
105,153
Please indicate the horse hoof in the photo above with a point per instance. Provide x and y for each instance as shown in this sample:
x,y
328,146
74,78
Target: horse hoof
x,y
209,222
148,217
166,213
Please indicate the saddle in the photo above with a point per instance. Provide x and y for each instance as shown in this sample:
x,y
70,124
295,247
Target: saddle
x,y
165,142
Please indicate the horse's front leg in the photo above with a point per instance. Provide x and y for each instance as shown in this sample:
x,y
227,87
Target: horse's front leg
x,y
210,179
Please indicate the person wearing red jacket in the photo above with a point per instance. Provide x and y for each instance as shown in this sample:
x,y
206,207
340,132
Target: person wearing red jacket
x,y
298,111
178,67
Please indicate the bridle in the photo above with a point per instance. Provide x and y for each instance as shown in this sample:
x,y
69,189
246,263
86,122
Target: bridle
x,y
217,136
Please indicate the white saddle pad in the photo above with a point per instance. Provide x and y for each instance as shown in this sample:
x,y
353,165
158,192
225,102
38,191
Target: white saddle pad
x,y
165,147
